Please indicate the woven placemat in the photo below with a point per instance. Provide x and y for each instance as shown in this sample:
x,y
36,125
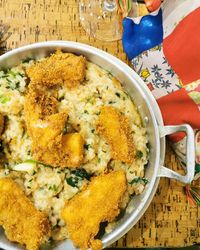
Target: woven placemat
x,y
169,221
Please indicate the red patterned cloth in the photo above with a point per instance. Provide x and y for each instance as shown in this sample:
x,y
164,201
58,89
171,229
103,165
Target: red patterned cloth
x,y
171,70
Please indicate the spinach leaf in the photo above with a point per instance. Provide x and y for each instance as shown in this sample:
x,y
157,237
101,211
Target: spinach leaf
x,y
81,173
72,181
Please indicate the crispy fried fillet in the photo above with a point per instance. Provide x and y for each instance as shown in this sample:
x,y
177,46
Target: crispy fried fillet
x,y
60,68
98,202
73,146
22,222
38,104
42,101
1,124
44,123
45,127
114,127
64,151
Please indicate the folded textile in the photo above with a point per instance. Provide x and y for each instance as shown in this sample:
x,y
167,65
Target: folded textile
x,y
164,48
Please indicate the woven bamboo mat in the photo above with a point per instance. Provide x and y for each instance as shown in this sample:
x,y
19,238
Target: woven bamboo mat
x,y
169,221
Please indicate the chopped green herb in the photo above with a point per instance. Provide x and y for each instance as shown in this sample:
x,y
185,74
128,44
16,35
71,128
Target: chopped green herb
x,y
10,72
17,85
34,172
117,94
92,130
87,146
72,181
139,154
65,129
53,188
4,99
21,74
81,173
61,98
139,180
111,102
110,75
23,132
27,60
86,112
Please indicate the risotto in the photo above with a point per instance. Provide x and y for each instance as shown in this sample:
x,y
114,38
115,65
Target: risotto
x,y
50,187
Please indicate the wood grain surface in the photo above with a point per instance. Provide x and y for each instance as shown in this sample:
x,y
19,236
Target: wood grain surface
x,y
169,221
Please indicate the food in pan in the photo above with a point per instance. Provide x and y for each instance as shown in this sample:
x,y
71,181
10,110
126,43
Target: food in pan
x,y
22,222
86,210
69,136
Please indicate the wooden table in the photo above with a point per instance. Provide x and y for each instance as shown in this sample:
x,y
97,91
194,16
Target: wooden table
x,y
169,221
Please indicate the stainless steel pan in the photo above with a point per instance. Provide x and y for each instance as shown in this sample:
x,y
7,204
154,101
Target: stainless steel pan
x,y
151,116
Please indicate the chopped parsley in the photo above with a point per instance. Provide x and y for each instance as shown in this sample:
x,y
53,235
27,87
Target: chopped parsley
x,y
139,154
111,102
110,75
4,99
117,94
53,188
139,180
87,146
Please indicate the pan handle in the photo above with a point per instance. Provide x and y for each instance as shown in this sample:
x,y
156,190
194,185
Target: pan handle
x,y
190,153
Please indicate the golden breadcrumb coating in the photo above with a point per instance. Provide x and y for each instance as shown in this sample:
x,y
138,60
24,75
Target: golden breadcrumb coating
x,y
49,144
58,69
45,125
98,202
22,222
114,127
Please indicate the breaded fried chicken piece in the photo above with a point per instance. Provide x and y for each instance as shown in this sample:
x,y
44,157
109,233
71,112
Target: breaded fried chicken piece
x,y
44,123
22,222
98,202
38,104
73,148
114,128
41,100
63,151
45,126
50,145
1,124
60,68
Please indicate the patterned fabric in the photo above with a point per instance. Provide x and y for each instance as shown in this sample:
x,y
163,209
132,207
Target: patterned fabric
x,y
171,69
